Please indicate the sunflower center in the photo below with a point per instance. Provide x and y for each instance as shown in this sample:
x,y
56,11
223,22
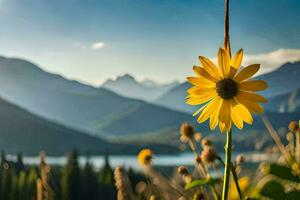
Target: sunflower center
x,y
227,88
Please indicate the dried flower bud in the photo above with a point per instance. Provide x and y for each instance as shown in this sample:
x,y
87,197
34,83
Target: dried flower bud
x,y
240,159
208,155
198,137
198,159
289,136
294,126
184,139
206,143
182,170
187,131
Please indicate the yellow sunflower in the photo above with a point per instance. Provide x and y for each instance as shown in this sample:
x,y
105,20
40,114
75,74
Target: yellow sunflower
x,y
145,157
226,92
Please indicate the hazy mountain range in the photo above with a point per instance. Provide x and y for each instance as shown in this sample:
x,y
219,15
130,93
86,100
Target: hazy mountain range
x,y
45,100
128,86
24,132
21,130
97,111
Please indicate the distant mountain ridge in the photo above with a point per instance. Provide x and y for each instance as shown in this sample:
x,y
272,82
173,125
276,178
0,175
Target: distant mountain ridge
x,y
97,111
25,132
282,81
127,86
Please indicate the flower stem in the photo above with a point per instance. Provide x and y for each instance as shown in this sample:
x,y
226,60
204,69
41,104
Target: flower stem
x,y
235,178
226,28
227,166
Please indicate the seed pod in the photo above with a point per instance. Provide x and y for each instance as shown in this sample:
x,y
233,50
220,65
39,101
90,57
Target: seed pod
x,y
187,131
294,126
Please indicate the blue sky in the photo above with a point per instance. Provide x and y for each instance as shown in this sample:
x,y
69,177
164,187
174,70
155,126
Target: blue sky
x,y
91,40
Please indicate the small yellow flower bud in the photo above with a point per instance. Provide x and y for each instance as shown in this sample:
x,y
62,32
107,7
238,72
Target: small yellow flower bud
x,y
145,157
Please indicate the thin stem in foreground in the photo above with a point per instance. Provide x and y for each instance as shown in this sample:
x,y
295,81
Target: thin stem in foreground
x,y
228,148
235,178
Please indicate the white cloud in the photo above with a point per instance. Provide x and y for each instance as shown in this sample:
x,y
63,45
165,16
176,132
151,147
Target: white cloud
x,y
271,60
98,45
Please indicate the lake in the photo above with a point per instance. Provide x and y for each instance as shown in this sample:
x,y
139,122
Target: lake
x,y
131,161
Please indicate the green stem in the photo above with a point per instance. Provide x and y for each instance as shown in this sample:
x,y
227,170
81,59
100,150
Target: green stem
x,y
227,166
235,177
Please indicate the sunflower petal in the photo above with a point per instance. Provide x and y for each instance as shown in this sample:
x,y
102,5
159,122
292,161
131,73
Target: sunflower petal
x,y
244,113
247,73
210,67
225,116
222,127
236,119
214,118
232,72
200,71
200,81
252,106
208,110
253,97
200,99
224,62
253,85
236,61
198,90
199,110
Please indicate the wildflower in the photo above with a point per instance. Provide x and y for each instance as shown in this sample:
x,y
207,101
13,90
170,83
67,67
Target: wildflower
x,y
294,126
122,184
240,159
206,143
187,132
228,95
198,159
182,170
145,157
208,155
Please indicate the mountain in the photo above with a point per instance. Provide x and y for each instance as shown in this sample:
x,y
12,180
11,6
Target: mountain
x,y
28,133
284,79
287,102
175,98
97,111
283,82
128,86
